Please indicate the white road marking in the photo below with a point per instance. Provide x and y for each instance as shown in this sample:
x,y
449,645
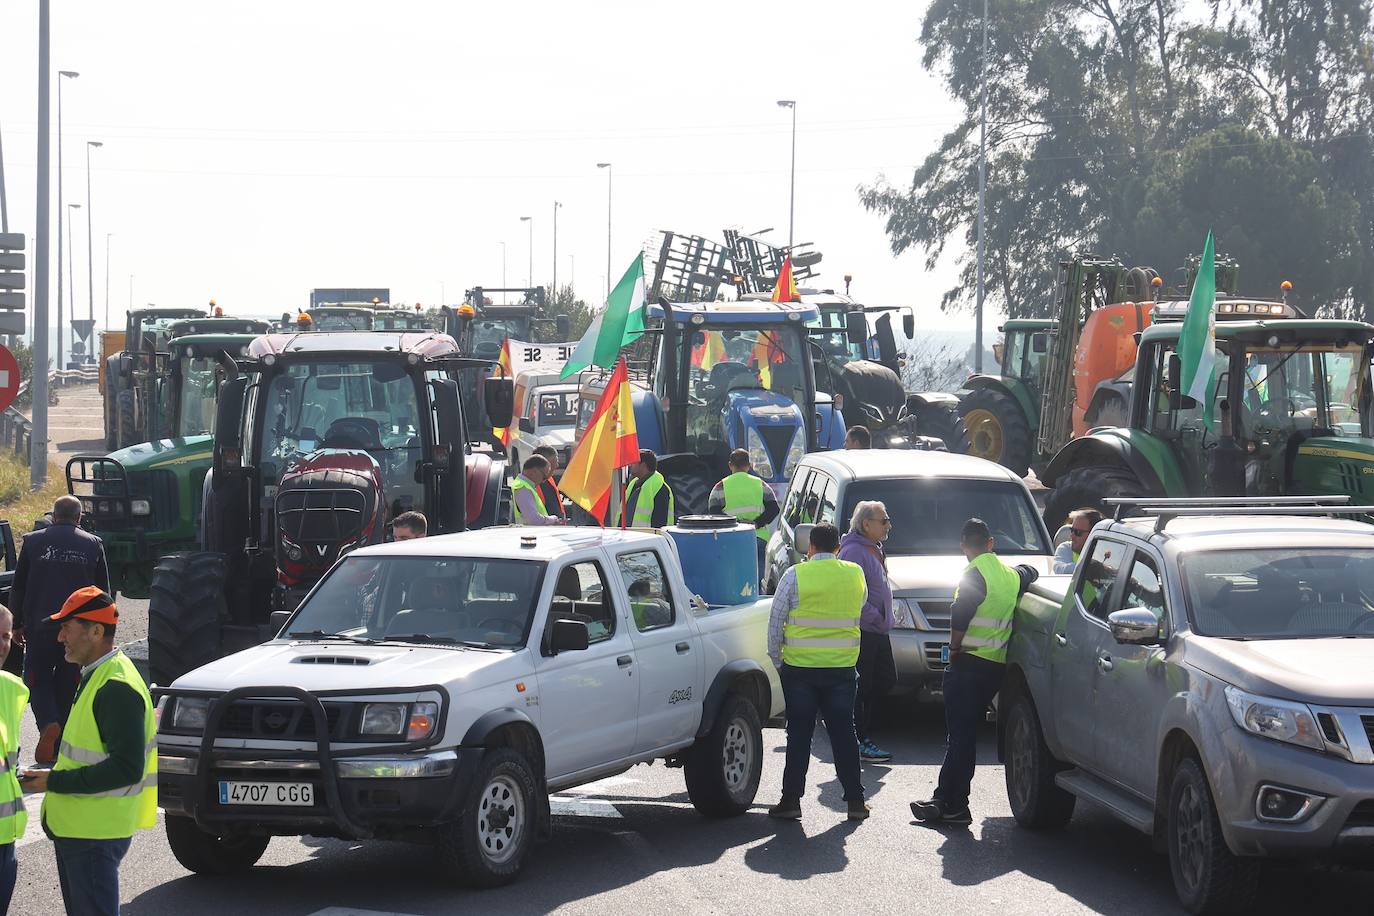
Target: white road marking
x,y
354,911
562,806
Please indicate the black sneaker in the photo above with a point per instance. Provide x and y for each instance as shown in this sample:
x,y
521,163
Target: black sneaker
x,y
858,810
787,809
934,812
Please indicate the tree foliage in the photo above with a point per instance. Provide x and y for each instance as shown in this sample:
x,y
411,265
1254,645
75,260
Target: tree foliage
x,y
565,302
1129,127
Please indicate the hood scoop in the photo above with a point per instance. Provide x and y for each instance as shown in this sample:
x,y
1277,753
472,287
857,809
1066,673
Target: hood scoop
x,y
330,660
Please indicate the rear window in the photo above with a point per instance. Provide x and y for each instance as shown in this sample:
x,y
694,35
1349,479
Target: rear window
x,y
928,513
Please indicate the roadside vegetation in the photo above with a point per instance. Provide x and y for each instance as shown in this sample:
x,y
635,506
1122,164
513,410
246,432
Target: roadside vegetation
x,y
18,503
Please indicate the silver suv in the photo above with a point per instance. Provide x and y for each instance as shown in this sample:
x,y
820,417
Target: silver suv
x,y
1207,675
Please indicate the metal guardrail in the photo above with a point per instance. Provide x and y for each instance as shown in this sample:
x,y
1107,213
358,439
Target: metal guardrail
x,y
16,430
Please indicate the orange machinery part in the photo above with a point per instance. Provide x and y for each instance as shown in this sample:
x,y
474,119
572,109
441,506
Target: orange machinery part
x,y
111,342
1106,349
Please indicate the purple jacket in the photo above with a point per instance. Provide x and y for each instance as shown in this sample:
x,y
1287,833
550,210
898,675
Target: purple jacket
x,y
877,611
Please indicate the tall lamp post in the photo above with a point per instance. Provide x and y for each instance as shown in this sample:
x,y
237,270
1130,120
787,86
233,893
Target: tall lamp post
x,y
38,442
107,286
90,250
556,205
982,195
607,167
792,181
71,263
71,75
503,272
529,277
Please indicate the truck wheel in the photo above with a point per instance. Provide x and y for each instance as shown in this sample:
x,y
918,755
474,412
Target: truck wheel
x,y
944,423
125,430
207,854
724,767
1036,802
1208,877
486,846
997,429
185,607
1085,488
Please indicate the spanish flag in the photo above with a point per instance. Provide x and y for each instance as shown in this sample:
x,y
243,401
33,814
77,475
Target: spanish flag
x,y
503,434
709,352
766,351
785,290
609,442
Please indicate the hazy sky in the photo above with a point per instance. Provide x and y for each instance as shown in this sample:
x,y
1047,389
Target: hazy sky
x,y
258,150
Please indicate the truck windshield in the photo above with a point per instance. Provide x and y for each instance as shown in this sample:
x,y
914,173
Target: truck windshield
x,y
1281,593
198,380
928,513
729,358
341,320
460,600
489,333
367,405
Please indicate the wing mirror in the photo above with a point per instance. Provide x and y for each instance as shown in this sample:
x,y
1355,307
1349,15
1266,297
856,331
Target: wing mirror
x,y
563,326
909,325
801,537
569,636
499,394
1134,626
856,327
276,621
527,425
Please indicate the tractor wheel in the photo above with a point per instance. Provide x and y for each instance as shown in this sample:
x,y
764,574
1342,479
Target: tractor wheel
x,y
126,432
691,492
1085,488
944,423
111,419
996,429
185,608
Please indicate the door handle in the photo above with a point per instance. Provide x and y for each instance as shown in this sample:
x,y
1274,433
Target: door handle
x,y
683,648
1060,639
1104,662
624,661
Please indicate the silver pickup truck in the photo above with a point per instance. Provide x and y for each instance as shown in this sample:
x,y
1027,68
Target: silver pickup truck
x,y
1207,675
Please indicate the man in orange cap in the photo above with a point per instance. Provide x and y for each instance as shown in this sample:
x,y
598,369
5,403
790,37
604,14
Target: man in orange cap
x,y
104,785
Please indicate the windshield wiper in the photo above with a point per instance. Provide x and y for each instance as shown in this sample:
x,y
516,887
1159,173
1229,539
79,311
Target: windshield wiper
x,y
321,634
443,640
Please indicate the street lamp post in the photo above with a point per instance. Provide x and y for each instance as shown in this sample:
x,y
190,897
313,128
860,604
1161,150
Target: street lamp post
x,y
529,277
556,205
38,440
107,285
982,195
68,74
572,274
71,265
90,249
503,272
607,167
792,181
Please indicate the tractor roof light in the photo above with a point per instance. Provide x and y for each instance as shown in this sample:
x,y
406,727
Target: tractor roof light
x,y
1273,340
1225,308
698,318
466,310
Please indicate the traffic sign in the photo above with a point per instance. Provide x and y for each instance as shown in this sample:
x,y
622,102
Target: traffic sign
x,y
11,281
82,327
12,241
11,260
11,322
9,378
11,301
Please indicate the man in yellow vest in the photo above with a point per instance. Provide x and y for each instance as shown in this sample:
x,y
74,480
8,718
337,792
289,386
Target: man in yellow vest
x,y
980,629
13,818
103,787
745,496
648,498
813,638
526,502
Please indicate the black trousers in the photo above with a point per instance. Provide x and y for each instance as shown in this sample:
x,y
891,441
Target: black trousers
x,y
877,676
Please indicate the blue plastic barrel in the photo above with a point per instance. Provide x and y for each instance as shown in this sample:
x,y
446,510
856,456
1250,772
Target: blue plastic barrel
x,y
719,559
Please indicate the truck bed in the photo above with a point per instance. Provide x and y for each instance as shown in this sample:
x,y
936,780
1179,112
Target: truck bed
x,y
739,631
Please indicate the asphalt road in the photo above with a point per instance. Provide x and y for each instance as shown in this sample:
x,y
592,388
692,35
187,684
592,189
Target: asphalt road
x,y
633,844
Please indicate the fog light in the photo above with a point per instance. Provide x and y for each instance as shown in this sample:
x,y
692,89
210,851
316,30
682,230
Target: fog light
x,y
140,507
1286,806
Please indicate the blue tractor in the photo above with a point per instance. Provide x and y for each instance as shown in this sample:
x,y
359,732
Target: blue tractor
x,y
727,375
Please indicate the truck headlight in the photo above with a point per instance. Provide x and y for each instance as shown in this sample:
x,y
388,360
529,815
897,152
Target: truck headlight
x,y
758,455
383,719
1282,720
423,718
902,616
795,453
190,713
140,507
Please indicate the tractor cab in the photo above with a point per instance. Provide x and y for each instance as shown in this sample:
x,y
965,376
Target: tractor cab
x,y
340,318
481,326
401,320
130,375
195,368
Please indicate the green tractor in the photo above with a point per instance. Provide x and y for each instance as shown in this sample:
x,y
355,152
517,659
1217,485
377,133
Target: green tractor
x,y
1289,414
128,372
144,500
1000,413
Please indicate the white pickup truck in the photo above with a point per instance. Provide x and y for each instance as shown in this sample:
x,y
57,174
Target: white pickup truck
x,y
439,690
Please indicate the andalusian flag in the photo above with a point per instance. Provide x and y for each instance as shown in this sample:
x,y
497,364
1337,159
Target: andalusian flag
x,y
785,290
1197,341
503,434
609,442
621,322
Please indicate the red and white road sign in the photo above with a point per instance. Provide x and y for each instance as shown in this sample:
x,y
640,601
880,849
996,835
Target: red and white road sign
x,y
9,378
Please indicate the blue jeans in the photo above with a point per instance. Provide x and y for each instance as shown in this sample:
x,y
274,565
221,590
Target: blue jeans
x,y
829,691
970,684
51,679
9,870
89,873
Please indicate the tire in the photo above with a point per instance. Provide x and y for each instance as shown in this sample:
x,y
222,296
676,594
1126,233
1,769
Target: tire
x,y
1208,877
486,846
943,423
127,433
1037,802
691,493
206,854
1086,488
724,767
185,608
111,413
996,429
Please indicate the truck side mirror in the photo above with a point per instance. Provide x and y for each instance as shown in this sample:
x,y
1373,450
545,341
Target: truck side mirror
x,y
1040,343
569,636
527,425
1134,626
563,326
228,459
499,394
856,327
909,325
801,537
126,363
276,621
1174,376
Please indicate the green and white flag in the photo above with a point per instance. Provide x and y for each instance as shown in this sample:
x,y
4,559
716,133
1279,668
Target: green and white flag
x,y
1197,341
621,322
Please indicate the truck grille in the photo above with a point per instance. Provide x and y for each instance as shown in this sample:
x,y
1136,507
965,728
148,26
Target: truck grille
x,y
933,658
1368,722
1362,815
778,439
160,489
278,720
936,613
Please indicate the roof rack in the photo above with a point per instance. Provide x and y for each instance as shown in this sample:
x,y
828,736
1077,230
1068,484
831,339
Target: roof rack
x,y
1121,503
1164,514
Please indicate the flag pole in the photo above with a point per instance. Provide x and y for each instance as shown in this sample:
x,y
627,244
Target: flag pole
x,y
613,513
